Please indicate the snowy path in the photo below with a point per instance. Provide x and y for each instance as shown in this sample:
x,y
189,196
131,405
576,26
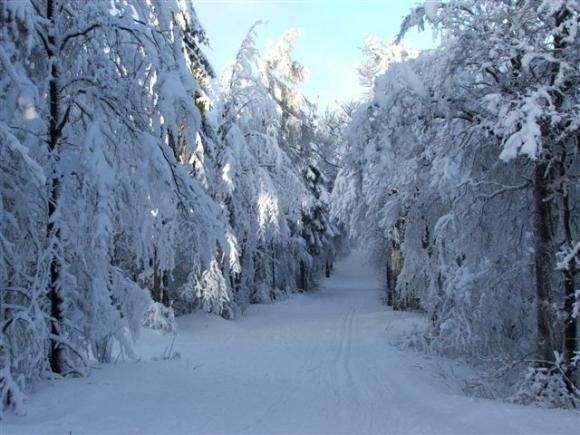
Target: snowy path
x,y
318,363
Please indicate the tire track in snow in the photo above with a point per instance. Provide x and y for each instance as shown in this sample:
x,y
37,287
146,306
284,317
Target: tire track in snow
x,y
364,391
361,402
348,389
339,372
355,405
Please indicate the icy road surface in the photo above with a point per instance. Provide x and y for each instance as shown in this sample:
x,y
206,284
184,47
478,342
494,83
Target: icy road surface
x,y
316,363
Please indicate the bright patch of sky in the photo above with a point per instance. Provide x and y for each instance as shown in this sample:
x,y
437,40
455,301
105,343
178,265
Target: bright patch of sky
x,y
333,31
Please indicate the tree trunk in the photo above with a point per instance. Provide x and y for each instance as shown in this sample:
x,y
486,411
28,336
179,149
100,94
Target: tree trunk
x,y
388,274
156,290
544,255
395,270
273,266
303,282
570,324
52,231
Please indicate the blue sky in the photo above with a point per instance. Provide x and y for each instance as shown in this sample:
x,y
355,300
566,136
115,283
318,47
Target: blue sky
x,y
333,31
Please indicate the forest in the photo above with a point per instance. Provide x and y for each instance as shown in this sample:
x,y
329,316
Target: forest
x,y
140,188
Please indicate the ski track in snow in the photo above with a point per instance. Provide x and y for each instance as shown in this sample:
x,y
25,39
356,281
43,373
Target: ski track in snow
x,y
316,363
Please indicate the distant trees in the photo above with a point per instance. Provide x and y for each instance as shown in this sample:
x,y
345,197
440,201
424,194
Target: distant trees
x,y
267,132
466,160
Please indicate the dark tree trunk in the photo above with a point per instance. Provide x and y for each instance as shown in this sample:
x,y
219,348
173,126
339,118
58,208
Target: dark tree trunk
x,y
388,282
327,269
544,255
570,325
273,276
396,263
544,191
157,289
53,232
303,277
273,266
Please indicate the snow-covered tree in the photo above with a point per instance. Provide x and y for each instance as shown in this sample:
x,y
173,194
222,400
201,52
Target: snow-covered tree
x,y
377,56
273,191
124,186
94,196
447,160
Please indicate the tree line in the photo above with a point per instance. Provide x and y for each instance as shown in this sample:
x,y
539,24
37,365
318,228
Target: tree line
x,y
133,183
462,179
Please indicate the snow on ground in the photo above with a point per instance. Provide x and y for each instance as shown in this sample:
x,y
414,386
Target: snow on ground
x,y
316,363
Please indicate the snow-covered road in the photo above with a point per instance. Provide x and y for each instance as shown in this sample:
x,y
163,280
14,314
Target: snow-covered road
x,y
316,363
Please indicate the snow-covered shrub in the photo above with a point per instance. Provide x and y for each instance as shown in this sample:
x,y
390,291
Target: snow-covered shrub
x,y
546,387
213,291
158,316
11,387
